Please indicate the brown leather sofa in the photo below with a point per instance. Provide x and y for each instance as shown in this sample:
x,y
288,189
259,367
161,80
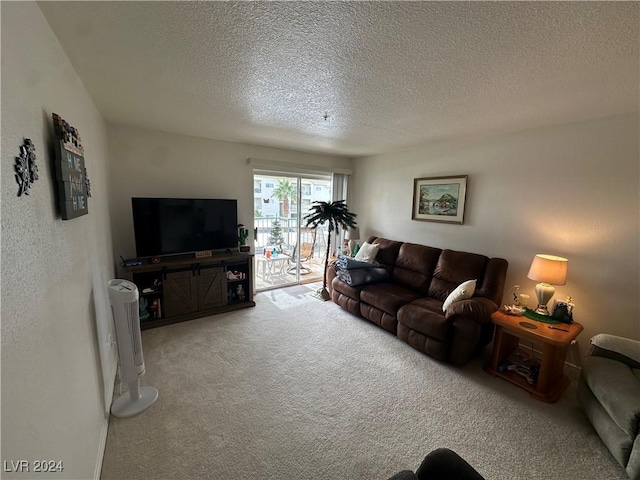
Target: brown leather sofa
x,y
409,303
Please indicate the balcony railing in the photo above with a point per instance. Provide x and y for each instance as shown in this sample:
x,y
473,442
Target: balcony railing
x,y
288,227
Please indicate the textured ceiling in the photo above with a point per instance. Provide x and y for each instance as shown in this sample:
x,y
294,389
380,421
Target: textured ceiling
x,y
390,75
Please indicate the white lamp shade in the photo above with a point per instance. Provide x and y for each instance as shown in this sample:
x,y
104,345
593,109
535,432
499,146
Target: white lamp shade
x,y
549,269
352,234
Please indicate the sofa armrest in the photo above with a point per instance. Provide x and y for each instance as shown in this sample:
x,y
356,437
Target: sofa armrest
x,y
622,349
331,273
478,309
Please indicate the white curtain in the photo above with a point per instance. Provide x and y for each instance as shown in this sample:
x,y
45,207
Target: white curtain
x,y
338,192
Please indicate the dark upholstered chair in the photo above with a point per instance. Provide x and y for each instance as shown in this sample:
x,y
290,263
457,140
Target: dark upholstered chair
x,y
441,464
609,393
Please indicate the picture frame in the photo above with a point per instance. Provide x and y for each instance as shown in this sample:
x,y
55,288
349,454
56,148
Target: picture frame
x,y
439,199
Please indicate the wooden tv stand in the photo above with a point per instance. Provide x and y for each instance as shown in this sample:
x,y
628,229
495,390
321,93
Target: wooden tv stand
x,y
183,287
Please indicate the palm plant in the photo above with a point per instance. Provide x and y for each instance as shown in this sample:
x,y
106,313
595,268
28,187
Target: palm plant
x,y
283,192
335,214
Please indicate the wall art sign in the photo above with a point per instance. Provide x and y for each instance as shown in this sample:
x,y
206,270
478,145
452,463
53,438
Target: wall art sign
x,y
439,199
26,168
71,173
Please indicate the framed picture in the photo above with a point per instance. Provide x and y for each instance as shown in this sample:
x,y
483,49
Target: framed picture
x,y
439,199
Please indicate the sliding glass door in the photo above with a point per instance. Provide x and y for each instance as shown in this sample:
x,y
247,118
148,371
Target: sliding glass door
x,y
287,252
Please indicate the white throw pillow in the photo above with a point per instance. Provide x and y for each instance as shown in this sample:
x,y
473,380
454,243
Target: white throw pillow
x,y
462,292
367,252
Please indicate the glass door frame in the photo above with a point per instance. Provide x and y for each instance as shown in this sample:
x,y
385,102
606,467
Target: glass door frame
x,y
299,178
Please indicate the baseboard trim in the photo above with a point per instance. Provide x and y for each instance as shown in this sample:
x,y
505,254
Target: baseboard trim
x,y
102,445
572,371
101,448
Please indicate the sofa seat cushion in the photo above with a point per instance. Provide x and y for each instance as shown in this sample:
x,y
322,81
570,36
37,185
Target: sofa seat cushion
x,y
617,389
425,316
345,289
387,297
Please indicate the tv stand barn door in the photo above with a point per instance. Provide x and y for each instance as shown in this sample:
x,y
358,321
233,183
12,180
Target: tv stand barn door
x,y
179,293
183,287
212,287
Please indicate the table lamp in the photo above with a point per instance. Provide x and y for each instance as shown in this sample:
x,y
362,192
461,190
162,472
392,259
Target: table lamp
x,y
352,234
549,270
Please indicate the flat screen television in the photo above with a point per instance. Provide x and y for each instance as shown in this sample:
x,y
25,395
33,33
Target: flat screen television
x,y
166,226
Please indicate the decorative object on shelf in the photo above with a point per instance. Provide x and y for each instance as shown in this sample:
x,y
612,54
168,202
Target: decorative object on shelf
x,y
513,293
335,214
352,234
144,313
523,300
516,310
563,310
71,172
87,182
26,168
520,302
549,270
522,363
439,199
155,260
235,275
243,234
240,291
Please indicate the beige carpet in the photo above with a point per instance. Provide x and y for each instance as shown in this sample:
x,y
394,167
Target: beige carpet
x,y
300,389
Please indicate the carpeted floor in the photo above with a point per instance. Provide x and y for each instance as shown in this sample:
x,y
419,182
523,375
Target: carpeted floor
x,y
296,388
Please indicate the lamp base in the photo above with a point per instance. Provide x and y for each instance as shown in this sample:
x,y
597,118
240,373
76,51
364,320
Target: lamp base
x,y
544,292
542,310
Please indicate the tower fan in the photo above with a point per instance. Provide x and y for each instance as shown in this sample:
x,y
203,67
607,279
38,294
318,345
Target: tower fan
x,y
124,305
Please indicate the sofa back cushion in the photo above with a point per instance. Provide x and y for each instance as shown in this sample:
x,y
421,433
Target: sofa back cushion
x,y
452,269
492,284
387,253
414,266
441,271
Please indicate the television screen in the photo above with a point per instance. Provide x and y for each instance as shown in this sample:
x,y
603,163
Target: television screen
x,y
165,226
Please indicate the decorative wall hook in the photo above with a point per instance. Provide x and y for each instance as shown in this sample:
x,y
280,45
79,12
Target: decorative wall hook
x,y
87,182
26,168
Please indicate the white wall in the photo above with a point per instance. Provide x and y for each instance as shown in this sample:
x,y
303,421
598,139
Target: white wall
x,y
146,163
54,272
569,190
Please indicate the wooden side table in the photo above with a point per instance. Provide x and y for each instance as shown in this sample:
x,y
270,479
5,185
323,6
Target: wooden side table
x,y
551,382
